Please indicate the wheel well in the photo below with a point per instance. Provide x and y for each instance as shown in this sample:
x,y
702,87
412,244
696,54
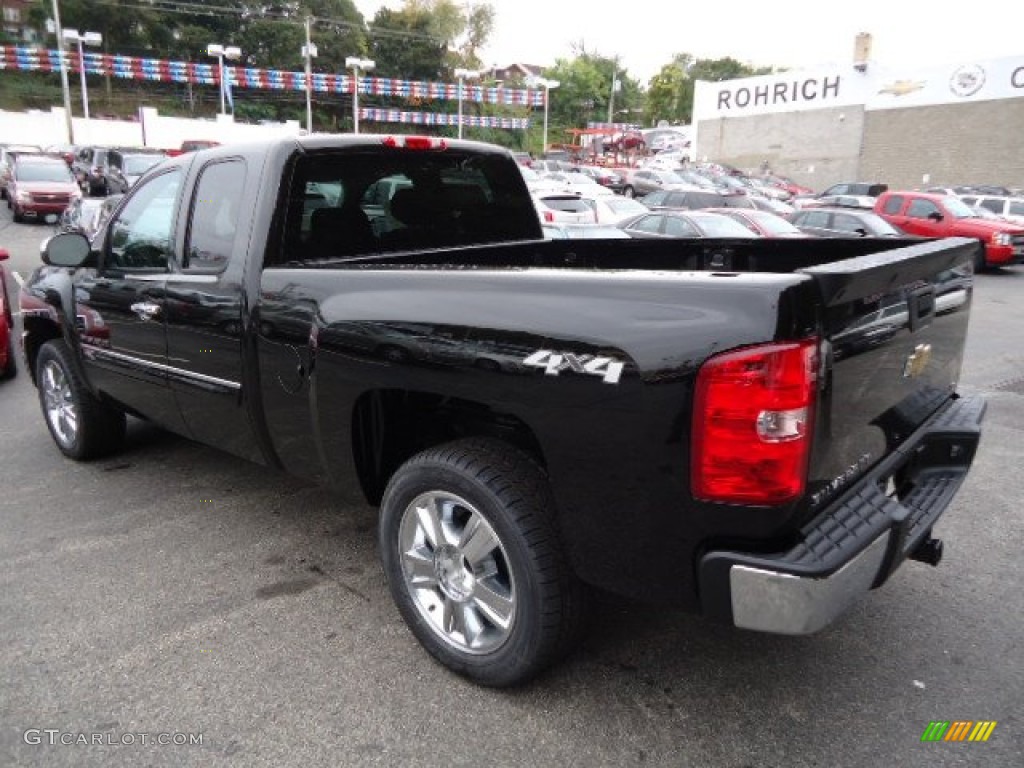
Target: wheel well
x,y
391,425
38,331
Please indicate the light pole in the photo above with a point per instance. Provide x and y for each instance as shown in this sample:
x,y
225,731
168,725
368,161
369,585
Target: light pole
x,y
63,72
356,64
462,75
548,86
309,53
222,52
89,38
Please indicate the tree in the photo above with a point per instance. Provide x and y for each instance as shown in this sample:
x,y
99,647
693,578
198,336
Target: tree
x,y
670,92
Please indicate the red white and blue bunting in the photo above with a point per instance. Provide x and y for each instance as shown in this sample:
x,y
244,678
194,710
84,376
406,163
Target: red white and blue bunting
x,y
161,70
433,118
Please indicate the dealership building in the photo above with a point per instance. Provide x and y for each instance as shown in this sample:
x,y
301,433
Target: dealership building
x,y
961,123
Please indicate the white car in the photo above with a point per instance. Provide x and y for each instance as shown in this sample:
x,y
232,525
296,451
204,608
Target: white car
x,y
1009,209
579,183
612,209
563,208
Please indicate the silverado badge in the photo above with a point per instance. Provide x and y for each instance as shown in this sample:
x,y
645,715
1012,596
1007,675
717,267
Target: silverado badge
x,y
917,361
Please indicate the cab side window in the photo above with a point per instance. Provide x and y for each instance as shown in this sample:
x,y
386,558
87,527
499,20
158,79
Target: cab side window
x,y
141,237
922,209
893,205
213,222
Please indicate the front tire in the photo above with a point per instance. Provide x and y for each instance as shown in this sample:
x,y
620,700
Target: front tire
x,y
474,562
81,426
628,191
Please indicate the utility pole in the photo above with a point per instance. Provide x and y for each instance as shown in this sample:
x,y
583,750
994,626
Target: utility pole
x,y
611,96
308,52
63,72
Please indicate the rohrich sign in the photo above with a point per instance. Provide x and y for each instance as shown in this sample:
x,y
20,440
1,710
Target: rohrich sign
x,y
879,87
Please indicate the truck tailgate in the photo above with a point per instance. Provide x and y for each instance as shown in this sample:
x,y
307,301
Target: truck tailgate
x,y
896,324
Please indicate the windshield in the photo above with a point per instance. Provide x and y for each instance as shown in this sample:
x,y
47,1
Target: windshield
x,y
713,225
958,209
43,172
136,166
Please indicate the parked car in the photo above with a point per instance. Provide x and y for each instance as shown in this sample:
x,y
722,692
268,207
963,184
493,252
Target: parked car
x,y
603,176
7,154
87,215
40,188
624,141
90,169
563,208
583,232
783,182
920,213
125,166
64,151
869,188
690,199
659,224
8,362
1010,209
578,182
771,206
525,159
842,222
643,181
192,145
838,201
761,222
611,209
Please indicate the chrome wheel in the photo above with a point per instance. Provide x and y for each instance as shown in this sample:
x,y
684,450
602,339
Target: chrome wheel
x,y
61,411
457,572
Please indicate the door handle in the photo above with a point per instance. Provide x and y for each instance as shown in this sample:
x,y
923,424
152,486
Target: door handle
x,y
146,310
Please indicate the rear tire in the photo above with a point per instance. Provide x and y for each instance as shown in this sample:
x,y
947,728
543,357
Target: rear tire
x,y
81,426
474,561
628,191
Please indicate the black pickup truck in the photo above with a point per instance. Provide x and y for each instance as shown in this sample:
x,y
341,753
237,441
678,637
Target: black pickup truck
x,y
758,431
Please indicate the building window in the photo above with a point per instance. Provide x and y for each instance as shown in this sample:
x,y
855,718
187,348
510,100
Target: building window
x,y
12,15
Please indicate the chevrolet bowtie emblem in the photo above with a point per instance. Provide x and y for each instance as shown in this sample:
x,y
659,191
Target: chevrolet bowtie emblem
x,y
918,361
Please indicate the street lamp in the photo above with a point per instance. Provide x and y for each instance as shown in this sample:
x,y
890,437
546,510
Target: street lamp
x,y
63,70
355,64
309,53
89,38
222,52
462,75
547,85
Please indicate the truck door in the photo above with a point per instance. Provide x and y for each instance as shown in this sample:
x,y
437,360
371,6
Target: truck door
x,y
120,305
926,218
205,325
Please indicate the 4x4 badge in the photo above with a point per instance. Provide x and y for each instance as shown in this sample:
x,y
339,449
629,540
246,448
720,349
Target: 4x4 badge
x,y
553,363
917,361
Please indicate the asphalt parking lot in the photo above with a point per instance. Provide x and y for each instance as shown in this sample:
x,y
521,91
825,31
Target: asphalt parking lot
x,y
175,590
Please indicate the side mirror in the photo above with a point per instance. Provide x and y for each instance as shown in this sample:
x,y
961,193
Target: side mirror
x,y
68,249
936,216
861,232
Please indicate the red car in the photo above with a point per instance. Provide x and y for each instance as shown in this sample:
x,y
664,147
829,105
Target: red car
x,y
931,215
8,366
40,187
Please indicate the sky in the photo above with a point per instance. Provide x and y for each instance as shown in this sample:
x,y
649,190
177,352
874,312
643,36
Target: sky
x,y
796,34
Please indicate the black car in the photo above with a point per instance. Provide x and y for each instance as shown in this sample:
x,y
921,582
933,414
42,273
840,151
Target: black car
x,y
90,169
125,166
843,222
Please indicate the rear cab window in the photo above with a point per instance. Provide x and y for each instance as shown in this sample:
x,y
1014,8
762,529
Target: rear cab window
x,y
349,203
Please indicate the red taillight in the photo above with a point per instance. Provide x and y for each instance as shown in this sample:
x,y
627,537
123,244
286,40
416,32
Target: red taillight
x,y
414,142
752,424
549,216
